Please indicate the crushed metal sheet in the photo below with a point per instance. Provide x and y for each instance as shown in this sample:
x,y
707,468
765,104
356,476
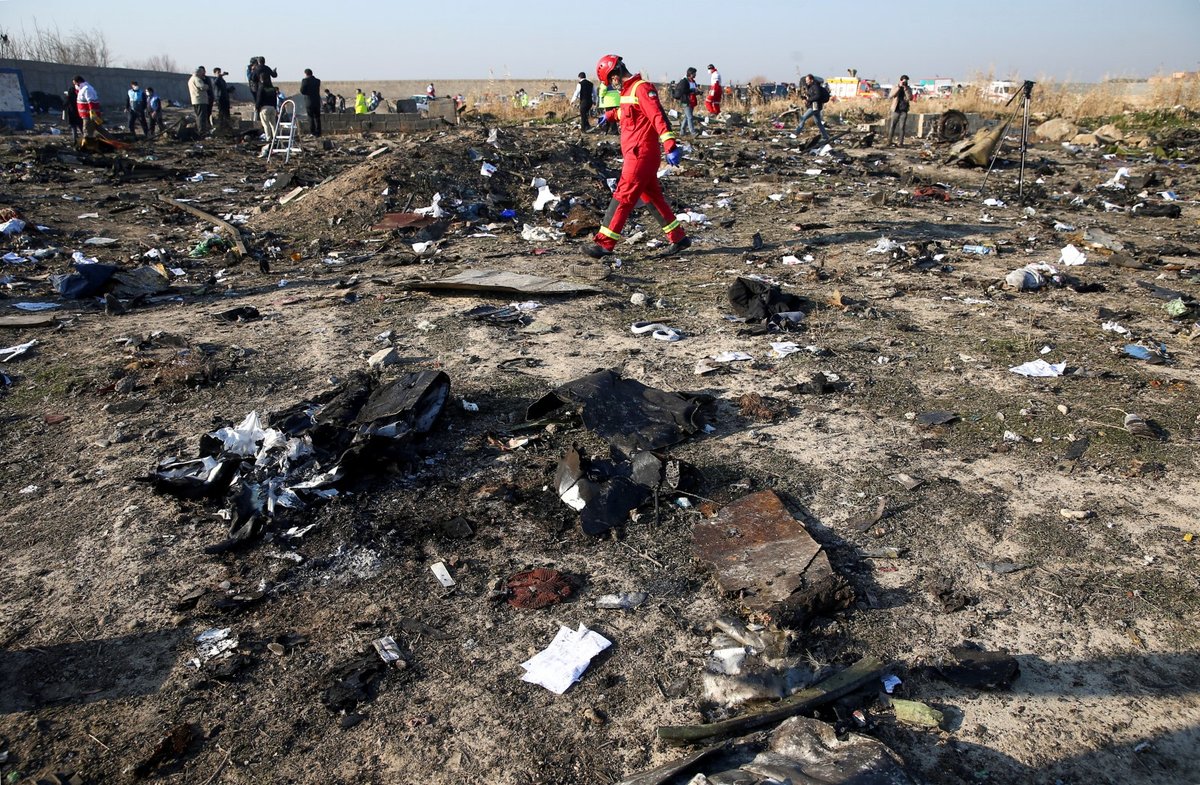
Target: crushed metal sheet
x,y
766,558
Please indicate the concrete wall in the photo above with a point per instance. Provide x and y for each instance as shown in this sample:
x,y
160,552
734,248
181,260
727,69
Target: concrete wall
x,y
110,83
376,123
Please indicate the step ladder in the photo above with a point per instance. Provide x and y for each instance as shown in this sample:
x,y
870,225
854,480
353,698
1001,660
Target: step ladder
x,y
284,140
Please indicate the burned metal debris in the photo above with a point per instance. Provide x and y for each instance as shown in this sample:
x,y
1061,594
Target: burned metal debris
x,y
763,556
628,414
303,453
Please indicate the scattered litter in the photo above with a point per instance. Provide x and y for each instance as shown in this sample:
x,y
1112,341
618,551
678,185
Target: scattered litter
x,y
545,197
1072,256
1136,425
215,642
442,574
35,306
731,357
563,662
389,651
622,602
541,234
657,330
434,210
916,714
1039,369
13,352
538,588
884,245
890,683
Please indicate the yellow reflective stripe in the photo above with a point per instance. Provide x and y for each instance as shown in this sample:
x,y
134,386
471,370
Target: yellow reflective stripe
x,y
666,136
631,98
609,233
669,227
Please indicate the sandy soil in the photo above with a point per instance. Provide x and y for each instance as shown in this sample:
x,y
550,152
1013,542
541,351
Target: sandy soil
x,y
107,584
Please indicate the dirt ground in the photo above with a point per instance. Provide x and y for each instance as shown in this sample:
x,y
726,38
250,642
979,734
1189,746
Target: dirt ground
x,y
1057,534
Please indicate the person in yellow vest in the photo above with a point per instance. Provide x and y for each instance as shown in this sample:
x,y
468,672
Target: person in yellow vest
x,y
360,101
610,98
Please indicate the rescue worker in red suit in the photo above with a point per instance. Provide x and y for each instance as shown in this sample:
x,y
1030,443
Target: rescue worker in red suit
x,y
712,101
643,127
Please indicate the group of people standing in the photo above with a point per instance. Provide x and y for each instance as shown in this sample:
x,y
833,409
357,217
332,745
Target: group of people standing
x,y
205,92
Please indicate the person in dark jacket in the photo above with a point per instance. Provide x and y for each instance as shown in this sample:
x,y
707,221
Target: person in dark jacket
x,y
813,105
901,97
221,97
310,88
71,112
266,96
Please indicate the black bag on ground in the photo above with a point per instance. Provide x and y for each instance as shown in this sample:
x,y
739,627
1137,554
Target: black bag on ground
x,y
755,299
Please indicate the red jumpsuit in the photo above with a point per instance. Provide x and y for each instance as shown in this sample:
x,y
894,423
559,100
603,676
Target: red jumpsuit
x,y
643,128
712,101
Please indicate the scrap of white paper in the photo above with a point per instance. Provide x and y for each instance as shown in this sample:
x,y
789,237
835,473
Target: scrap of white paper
x,y
442,574
545,198
560,664
1039,369
1072,256
731,357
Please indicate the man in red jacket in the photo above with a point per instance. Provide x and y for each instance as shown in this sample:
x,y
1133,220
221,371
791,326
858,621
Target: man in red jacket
x,y
643,127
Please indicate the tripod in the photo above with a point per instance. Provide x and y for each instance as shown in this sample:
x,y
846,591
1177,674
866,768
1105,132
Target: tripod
x,y
1026,94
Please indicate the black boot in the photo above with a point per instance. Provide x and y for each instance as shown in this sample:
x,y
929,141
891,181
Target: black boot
x,y
682,244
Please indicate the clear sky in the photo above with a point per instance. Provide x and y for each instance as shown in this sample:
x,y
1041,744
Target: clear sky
x,y
775,39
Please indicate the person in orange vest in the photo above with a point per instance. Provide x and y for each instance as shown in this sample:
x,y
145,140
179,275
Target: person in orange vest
x,y
643,127
712,102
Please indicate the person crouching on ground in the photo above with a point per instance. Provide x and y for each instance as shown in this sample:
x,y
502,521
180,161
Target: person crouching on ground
x,y
643,127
